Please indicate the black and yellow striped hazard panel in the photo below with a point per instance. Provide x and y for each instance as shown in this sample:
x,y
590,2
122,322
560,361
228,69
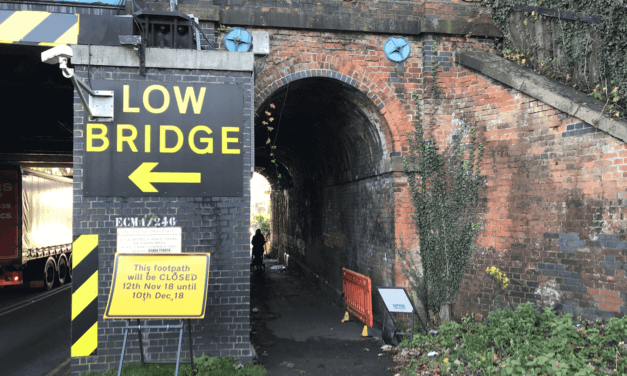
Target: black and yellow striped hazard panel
x,y
85,295
41,28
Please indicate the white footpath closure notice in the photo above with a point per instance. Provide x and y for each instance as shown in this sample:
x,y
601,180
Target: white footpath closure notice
x,y
149,240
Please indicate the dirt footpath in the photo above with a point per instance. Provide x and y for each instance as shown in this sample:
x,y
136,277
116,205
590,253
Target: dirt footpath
x,y
297,330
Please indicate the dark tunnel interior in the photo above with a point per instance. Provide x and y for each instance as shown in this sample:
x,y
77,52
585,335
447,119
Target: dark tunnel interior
x,y
335,207
325,124
38,98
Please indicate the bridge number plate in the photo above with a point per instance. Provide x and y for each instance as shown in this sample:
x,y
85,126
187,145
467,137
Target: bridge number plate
x,y
149,240
168,139
158,286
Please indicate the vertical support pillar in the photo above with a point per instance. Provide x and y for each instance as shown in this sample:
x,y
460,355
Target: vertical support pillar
x,y
103,213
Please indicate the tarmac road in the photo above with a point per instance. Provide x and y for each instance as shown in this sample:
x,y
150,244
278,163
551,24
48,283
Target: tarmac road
x,y
298,330
35,332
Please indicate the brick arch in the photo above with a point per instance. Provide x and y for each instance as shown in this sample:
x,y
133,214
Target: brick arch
x,y
390,109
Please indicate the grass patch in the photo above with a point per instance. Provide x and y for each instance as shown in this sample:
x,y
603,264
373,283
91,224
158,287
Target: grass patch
x,y
205,366
522,342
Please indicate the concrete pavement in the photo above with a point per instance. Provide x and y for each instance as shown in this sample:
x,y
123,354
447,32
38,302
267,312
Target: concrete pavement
x,y
297,330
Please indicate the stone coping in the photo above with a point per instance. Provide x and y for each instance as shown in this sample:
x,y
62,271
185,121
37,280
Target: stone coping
x,y
357,24
255,17
112,56
553,93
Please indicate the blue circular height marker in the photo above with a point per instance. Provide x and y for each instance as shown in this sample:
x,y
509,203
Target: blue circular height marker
x,y
238,40
396,49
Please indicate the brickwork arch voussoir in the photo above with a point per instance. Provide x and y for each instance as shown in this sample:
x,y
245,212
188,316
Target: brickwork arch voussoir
x,y
334,67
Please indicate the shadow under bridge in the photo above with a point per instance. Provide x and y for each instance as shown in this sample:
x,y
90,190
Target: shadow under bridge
x,y
333,204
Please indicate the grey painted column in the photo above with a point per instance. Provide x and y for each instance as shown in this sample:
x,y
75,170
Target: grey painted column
x,y
218,224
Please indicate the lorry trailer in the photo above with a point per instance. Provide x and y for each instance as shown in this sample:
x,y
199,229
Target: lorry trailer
x,y
35,228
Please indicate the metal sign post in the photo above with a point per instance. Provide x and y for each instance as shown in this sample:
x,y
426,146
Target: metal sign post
x,y
397,300
141,346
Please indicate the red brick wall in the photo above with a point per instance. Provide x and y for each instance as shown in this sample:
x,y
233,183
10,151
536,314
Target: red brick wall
x,y
553,219
553,200
359,57
404,225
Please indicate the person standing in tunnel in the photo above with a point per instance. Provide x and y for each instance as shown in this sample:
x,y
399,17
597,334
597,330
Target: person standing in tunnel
x,y
259,245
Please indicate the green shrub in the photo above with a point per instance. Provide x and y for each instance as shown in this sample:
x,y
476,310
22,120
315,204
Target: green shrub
x,y
263,223
523,342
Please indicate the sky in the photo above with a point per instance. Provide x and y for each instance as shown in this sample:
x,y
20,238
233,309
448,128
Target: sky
x,y
258,184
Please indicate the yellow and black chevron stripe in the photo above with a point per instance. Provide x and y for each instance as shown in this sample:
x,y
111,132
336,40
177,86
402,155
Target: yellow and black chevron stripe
x,y
41,28
85,295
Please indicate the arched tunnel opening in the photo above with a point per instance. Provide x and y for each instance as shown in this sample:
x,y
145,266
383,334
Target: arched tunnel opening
x,y
332,206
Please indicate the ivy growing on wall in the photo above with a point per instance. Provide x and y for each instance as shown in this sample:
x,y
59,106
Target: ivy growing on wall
x,y
576,46
445,196
271,145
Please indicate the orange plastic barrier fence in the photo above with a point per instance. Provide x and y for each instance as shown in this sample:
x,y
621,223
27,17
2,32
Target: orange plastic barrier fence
x,y
358,295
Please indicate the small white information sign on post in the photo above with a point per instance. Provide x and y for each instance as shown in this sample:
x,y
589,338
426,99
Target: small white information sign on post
x,y
396,299
149,240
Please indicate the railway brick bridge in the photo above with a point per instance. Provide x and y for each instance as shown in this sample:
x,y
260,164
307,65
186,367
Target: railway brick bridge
x,y
553,200
553,203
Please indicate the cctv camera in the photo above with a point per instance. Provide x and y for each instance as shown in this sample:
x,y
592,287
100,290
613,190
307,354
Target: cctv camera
x,y
57,54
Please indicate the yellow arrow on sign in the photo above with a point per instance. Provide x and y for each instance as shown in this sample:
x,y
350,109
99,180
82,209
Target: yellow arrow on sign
x,y
143,177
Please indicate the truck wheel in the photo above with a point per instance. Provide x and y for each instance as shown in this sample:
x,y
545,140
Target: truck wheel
x,y
62,273
49,274
69,269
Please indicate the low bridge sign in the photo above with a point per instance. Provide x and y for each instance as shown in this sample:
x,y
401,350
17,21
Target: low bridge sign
x,y
167,139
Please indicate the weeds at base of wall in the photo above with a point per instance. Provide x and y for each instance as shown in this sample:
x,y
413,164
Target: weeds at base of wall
x,y
519,342
205,366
